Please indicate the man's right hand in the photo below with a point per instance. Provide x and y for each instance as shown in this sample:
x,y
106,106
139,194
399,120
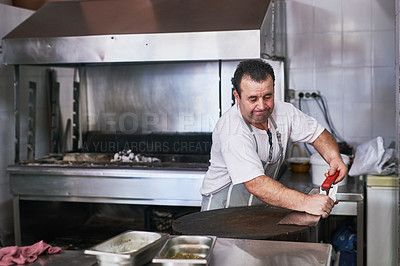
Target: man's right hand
x,y
319,205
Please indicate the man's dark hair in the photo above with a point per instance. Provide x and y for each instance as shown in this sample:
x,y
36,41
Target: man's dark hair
x,y
257,69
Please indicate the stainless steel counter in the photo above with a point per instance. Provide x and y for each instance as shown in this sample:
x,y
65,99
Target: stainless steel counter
x,y
156,187
263,252
229,252
350,197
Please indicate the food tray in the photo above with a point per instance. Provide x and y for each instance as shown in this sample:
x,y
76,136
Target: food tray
x,y
192,250
128,248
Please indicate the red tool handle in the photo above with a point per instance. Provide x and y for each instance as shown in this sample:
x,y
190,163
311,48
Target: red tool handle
x,y
329,180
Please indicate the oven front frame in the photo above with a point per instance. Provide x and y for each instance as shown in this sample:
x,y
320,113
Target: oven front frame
x,y
103,185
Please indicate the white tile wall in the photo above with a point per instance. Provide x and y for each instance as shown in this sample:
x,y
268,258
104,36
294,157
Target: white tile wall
x,y
357,121
328,49
357,48
382,119
346,49
383,41
304,19
301,78
357,15
382,15
383,84
357,85
300,47
331,13
329,80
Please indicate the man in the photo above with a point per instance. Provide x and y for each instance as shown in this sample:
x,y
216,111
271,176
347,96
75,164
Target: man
x,y
249,144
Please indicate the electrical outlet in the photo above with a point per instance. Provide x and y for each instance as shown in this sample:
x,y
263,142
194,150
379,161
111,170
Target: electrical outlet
x,y
305,94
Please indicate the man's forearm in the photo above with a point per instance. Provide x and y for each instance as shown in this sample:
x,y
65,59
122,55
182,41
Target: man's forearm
x,y
276,194
327,146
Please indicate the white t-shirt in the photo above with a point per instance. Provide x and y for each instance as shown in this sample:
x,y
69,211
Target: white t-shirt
x,y
233,153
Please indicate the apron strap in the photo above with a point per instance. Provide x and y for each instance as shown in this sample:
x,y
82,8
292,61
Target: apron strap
x,y
228,198
250,199
252,133
209,202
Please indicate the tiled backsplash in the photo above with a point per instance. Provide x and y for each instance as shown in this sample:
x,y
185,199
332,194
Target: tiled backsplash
x,y
346,50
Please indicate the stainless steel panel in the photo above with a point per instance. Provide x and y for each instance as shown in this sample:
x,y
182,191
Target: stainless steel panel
x,y
65,258
228,252
87,32
345,208
134,48
351,196
157,97
131,186
263,252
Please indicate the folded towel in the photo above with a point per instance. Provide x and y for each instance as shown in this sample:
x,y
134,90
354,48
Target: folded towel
x,y
28,254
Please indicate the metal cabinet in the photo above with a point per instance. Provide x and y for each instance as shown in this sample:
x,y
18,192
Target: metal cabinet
x,y
382,220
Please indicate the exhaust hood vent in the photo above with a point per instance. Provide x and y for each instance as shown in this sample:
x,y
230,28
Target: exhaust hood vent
x,y
70,32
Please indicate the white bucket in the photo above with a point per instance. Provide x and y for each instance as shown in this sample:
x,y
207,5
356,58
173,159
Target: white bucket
x,y
319,167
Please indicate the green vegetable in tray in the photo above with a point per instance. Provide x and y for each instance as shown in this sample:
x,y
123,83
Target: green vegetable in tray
x,y
185,256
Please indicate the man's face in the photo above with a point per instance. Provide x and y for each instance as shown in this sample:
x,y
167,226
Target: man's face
x,y
257,100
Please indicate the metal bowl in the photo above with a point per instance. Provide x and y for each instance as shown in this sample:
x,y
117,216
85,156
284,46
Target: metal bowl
x,y
186,250
128,248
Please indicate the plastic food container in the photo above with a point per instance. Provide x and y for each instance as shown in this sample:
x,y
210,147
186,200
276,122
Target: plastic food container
x,y
186,250
128,248
319,167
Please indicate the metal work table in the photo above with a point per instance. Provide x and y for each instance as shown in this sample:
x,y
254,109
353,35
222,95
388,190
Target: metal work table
x,y
130,186
229,252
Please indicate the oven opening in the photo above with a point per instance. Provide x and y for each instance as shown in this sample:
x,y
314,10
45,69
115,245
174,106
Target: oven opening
x,y
78,226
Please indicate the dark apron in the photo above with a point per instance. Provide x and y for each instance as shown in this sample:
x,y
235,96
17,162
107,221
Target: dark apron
x,y
237,195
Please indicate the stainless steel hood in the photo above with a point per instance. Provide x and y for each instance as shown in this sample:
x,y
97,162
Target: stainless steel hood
x,y
139,31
